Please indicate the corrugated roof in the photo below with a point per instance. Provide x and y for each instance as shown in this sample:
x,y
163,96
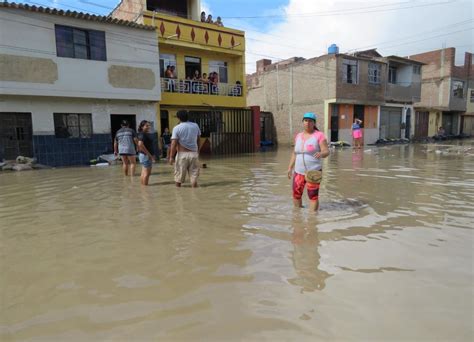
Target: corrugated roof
x,y
77,15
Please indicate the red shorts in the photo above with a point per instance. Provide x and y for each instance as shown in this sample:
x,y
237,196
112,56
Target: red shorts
x,y
298,187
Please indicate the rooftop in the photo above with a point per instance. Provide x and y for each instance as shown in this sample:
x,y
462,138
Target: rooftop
x,y
76,15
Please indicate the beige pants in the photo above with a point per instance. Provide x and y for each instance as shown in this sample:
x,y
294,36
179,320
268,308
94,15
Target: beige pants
x,y
186,162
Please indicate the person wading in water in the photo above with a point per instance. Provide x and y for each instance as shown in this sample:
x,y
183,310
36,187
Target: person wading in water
x,y
305,166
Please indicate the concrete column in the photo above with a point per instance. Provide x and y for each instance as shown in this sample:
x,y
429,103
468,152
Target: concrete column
x,y
256,126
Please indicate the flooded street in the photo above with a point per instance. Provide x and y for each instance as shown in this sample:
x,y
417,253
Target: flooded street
x,y
88,255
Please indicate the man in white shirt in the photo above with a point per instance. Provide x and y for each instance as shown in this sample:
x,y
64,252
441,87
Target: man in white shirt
x,y
185,141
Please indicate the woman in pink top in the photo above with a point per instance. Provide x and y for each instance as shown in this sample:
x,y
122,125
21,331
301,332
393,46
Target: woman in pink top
x,y
310,146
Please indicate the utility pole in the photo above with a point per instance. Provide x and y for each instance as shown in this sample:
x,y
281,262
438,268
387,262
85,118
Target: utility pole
x,y
290,109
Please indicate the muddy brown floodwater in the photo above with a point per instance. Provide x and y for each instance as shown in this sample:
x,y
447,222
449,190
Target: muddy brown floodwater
x,y
88,255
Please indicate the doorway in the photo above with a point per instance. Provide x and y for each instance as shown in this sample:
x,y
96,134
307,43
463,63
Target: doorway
x,y
116,121
16,135
164,121
359,114
421,124
334,122
191,64
408,123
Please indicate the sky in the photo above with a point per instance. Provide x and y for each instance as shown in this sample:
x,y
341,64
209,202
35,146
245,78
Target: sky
x,y
280,29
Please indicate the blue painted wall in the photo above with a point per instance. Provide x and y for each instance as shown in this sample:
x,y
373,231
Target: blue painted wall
x,y
53,151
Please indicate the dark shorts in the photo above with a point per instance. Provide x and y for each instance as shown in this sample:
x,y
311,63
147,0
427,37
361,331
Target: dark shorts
x,y
299,183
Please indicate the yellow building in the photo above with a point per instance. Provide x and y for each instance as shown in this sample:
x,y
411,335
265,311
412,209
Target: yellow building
x,y
202,65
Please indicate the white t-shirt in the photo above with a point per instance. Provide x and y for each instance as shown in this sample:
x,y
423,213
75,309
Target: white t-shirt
x,y
186,133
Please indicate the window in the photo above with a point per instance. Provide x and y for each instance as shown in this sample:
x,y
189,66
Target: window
x,y
392,75
72,125
165,60
374,73
472,96
221,69
79,43
458,89
417,69
350,71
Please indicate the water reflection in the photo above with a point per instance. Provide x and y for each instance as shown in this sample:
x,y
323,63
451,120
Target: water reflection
x,y
305,256
87,254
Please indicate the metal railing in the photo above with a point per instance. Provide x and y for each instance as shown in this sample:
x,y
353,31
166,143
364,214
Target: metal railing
x,y
172,85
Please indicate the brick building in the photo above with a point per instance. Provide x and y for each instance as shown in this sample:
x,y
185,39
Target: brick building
x,y
444,93
339,88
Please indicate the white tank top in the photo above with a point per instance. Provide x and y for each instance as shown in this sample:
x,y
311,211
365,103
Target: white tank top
x,y
306,148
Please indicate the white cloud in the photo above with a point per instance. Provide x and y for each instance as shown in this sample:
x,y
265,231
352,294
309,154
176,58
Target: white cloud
x,y
205,7
395,31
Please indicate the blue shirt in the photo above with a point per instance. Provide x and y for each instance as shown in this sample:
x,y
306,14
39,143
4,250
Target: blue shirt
x,y
355,126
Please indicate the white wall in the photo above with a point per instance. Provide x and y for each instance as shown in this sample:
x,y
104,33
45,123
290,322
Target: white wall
x,y
42,109
405,75
31,34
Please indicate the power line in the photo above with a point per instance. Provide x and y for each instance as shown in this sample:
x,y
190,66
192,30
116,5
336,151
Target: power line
x,y
359,10
153,44
91,2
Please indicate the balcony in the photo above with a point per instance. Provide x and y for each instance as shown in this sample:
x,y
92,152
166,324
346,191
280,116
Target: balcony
x,y
184,92
403,93
171,85
177,31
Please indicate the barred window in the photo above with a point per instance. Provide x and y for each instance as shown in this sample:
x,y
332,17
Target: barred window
x,y
417,69
374,73
392,75
350,71
68,125
458,89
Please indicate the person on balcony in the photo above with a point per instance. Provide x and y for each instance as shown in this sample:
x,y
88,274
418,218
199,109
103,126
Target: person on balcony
x,y
203,17
172,78
219,22
205,83
209,19
236,90
214,83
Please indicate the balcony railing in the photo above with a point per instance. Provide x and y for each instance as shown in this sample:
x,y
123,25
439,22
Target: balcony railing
x,y
172,85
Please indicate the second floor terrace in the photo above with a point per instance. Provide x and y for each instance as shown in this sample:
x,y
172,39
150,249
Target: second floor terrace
x,y
403,80
181,23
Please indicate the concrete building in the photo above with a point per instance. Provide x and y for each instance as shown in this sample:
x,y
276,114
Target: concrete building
x,y
467,119
339,88
402,91
444,92
189,47
68,79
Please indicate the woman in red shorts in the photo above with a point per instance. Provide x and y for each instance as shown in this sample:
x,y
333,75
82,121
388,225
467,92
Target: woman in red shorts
x,y
311,146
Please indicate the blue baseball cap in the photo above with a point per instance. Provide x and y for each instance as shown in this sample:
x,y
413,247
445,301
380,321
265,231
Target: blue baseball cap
x,y
310,115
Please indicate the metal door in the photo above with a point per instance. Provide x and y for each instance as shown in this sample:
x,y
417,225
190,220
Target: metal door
x,y
230,131
16,135
390,123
